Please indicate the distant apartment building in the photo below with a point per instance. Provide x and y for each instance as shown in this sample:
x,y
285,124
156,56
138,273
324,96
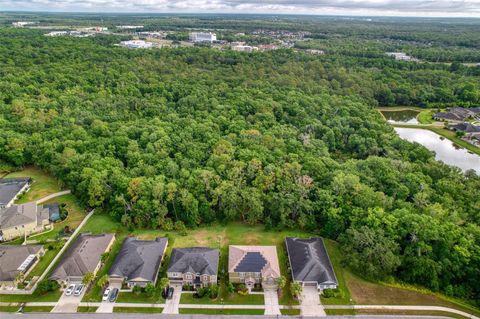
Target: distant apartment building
x,y
20,24
136,44
129,27
199,37
57,34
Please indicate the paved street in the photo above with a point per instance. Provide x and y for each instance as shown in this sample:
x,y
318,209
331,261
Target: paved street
x,y
171,305
164,316
68,304
310,303
271,302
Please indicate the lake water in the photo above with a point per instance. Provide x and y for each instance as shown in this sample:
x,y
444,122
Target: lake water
x,y
444,149
404,116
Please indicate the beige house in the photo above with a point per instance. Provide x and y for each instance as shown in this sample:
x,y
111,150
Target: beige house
x,y
23,220
82,257
16,259
253,265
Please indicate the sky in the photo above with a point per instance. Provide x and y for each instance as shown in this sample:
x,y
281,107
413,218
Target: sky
x,y
426,8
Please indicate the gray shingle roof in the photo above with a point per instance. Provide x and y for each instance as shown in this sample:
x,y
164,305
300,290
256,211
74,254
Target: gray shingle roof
x,y
9,188
139,259
82,257
465,127
12,256
198,260
309,260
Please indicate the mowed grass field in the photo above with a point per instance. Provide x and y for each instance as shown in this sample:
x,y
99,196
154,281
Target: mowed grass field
x,y
43,184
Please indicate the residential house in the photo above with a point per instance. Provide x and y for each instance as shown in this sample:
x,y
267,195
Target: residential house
x,y
309,263
15,259
457,114
468,128
82,257
253,265
138,261
11,188
196,266
23,220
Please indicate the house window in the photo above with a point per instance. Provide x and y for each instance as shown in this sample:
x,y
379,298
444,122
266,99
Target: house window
x,y
242,275
188,276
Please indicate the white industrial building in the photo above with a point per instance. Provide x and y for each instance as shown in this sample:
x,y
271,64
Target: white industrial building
x,y
136,44
203,37
244,48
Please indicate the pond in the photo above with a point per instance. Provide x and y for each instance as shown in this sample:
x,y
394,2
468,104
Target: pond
x,y
403,116
444,149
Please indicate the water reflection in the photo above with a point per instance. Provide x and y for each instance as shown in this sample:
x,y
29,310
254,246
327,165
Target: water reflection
x,y
444,149
404,116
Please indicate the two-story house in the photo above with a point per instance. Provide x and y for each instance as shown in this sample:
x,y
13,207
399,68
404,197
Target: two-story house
x,y
196,266
253,265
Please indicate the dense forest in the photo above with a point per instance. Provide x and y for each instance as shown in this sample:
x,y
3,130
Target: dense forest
x,y
197,135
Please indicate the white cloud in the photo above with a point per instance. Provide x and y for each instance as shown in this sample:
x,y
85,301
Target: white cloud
x,y
358,7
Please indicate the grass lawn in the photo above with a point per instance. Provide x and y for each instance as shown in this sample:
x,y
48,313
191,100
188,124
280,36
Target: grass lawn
x,y
290,312
221,311
407,313
76,213
140,298
38,309
48,297
137,309
43,183
8,308
228,299
340,312
335,255
425,116
44,261
86,309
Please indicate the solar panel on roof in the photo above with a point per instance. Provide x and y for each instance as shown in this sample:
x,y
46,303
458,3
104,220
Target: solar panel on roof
x,y
251,262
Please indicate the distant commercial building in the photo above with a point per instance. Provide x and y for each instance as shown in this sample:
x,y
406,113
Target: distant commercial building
x,y
315,51
401,56
20,24
244,48
57,34
15,259
136,44
198,37
127,27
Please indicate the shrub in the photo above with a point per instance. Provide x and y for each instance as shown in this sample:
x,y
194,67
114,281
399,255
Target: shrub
x,y
46,285
328,293
137,290
150,289
213,291
230,288
201,292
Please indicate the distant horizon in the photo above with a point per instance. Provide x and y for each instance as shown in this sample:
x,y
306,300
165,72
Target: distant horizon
x,y
143,13
354,8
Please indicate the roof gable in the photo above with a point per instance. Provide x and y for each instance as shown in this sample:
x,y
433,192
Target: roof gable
x,y
198,260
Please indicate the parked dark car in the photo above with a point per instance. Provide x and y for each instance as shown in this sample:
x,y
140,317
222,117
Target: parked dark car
x,y
170,293
113,295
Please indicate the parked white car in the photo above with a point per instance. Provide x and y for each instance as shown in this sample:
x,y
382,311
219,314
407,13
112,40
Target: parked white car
x,y
105,294
69,290
78,290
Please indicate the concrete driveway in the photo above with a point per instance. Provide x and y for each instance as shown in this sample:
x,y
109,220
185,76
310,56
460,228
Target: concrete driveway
x,y
271,302
107,306
68,303
310,303
171,305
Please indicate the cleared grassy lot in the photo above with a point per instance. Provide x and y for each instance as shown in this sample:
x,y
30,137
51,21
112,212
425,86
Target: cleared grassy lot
x,y
43,183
